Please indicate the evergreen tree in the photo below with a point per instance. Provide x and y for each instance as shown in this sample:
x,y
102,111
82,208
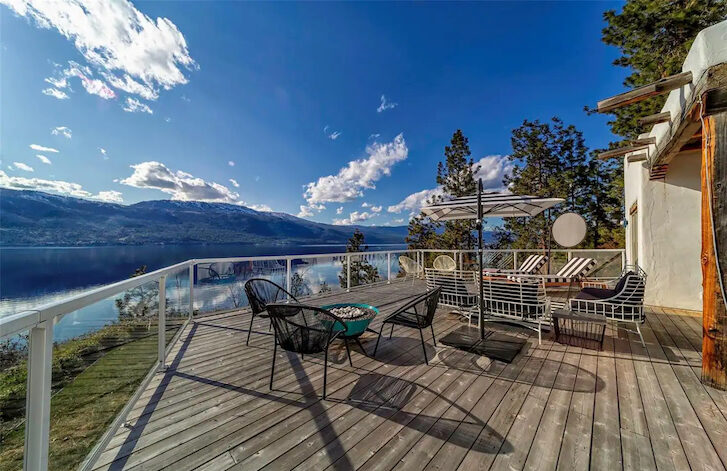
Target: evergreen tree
x,y
654,37
362,272
552,161
456,177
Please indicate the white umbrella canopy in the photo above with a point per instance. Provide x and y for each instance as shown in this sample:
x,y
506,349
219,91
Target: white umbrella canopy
x,y
493,205
487,205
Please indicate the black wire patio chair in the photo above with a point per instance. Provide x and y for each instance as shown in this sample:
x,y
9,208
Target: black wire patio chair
x,y
305,330
261,292
417,314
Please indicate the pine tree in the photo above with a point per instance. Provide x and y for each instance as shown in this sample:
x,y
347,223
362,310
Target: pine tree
x,y
362,272
552,161
654,37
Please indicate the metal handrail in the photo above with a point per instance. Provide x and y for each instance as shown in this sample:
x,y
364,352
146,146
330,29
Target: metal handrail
x,y
40,323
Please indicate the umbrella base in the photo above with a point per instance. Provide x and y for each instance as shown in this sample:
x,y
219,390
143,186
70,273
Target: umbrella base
x,y
495,345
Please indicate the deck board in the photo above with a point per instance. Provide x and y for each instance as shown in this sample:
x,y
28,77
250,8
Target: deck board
x,y
554,407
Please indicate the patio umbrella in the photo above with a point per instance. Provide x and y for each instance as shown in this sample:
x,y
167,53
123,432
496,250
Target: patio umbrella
x,y
487,205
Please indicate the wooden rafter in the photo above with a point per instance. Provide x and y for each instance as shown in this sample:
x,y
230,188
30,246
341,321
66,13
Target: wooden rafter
x,y
642,93
640,157
657,118
644,141
620,152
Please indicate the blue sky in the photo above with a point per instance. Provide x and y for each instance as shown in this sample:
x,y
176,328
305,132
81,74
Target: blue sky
x,y
183,90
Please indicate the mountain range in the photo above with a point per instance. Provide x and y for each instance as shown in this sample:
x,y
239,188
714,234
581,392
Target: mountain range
x,y
34,218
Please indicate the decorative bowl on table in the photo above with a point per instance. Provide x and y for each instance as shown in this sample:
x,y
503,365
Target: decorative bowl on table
x,y
357,317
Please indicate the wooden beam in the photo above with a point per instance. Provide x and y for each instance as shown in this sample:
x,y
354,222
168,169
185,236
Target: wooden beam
x,y
657,118
714,311
637,157
715,101
644,141
621,151
642,93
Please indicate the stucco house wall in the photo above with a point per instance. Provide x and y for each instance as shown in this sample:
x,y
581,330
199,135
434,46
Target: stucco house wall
x,y
669,218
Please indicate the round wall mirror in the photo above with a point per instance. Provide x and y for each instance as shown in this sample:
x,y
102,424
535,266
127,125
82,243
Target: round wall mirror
x,y
569,229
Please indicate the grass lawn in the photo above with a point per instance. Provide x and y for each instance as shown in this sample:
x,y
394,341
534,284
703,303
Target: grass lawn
x,y
82,411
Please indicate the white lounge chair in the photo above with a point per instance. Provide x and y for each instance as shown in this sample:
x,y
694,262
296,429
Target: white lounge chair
x,y
458,289
622,303
521,301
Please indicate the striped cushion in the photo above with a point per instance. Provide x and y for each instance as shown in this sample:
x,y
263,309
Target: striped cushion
x,y
576,268
532,264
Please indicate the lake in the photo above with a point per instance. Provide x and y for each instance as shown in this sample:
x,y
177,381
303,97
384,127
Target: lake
x,y
33,276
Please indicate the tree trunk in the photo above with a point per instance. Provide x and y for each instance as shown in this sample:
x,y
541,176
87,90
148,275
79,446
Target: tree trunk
x,y
714,312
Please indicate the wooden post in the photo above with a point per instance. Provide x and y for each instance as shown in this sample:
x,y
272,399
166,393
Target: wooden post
x,y
714,311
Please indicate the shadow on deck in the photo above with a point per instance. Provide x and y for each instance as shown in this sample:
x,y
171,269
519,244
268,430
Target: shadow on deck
x,y
553,406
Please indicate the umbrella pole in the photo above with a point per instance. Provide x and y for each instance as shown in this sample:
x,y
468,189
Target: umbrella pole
x,y
479,246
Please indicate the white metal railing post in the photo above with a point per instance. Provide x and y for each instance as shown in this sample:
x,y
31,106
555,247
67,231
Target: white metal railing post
x,y
162,322
514,259
460,256
348,272
388,267
623,259
37,399
191,290
288,273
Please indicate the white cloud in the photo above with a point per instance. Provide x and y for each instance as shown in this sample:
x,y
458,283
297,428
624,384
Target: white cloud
x,y
62,131
354,218
415,201
351,181
333,135
23,167
374,136
231,163
492,170
376,209
365,204
168,119
339,210
135,106
234,183
180,185
43,159
259,207
54,186
55,93
61,80
305,212
110,196
398,221
386,105
133,52
185,98
40,148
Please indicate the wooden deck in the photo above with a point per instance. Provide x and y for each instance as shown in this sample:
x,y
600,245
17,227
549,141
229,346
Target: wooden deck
x,y
554,407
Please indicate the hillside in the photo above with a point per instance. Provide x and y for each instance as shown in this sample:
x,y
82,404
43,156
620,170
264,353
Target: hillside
x,y
33,218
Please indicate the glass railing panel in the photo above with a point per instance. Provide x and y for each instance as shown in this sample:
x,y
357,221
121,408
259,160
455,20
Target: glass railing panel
x,y
220,286
608,262
13,383
366,269
101,355
397,268
317,276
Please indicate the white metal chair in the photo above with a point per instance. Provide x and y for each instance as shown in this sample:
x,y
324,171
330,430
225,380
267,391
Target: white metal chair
x,y
457,288
521,301
410,266
623,303
444,262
